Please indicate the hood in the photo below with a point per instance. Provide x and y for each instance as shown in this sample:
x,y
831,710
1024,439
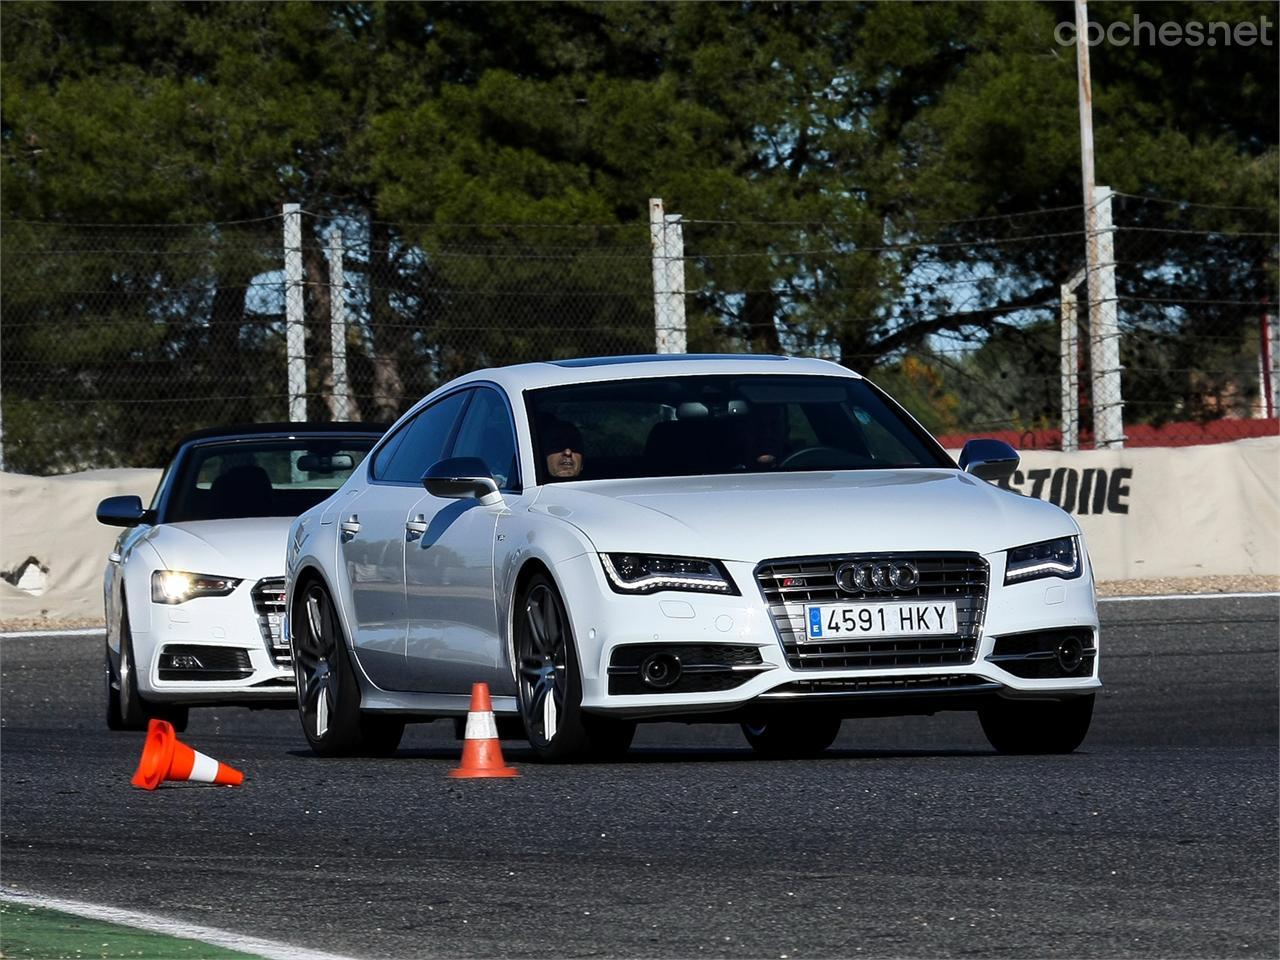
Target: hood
x,y
247,548
757,516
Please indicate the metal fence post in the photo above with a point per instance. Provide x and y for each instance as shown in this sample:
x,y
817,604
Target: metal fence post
x,y
1104,330
1,440
666,238
677,334
295,329
1275,361
339,403
1069,360
1269,366
658,246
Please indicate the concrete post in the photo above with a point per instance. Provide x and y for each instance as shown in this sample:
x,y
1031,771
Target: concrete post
x,y
295,328
339,403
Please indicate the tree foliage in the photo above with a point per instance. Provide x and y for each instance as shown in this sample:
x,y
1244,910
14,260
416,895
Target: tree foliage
x,y
835,154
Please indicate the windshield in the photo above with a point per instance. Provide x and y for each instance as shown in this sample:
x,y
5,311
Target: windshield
x,y
261,478
686,426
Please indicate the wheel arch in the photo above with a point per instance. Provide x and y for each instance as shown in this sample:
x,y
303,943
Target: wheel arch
x,y
306,575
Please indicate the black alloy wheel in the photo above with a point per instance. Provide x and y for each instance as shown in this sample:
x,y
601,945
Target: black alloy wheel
x,y
1036,726
550,685
328,692
790,734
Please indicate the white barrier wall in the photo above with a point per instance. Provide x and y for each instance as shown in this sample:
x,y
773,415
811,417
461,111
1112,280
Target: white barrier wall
x,y
1146,513
51,521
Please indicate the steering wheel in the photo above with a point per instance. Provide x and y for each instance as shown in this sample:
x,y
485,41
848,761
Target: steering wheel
x,y
832,458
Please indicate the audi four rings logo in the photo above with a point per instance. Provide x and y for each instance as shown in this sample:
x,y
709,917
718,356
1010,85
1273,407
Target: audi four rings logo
x,y
879,576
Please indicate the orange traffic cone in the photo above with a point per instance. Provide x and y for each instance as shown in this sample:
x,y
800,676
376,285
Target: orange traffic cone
x,y
481,752
165,757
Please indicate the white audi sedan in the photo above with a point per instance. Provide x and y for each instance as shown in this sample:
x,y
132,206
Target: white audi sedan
x,y
194,587
767,541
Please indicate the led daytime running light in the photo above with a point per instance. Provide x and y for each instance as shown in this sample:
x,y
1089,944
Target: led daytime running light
x,y
716,580
1051,566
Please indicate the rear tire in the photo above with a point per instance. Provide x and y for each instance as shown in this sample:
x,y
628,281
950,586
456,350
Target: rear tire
x,y
1036,726
328,691
791,734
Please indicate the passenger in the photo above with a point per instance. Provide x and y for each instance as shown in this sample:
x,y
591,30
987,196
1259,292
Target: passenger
x,y
562,448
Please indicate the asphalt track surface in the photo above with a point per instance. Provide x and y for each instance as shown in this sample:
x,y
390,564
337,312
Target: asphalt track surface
x,y
910,838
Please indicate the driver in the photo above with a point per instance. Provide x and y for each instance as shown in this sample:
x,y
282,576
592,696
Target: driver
x,y
769,434
562,450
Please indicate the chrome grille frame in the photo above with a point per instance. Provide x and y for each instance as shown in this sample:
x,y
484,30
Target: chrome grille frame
x,y
268,604
962,577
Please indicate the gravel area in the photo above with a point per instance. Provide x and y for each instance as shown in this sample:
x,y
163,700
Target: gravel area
x,y
22,624
1108,588
1170,585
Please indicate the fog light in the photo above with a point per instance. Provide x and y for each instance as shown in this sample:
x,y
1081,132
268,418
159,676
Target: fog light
x,y
660,670
1070,654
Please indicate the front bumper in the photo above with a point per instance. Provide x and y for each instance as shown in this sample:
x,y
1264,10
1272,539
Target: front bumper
x,y
742,657
217,649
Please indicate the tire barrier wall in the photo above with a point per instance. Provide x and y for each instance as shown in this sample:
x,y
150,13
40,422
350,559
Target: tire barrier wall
x,y
1146,514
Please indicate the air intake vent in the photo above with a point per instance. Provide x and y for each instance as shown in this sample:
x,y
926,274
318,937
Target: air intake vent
x,y
268,604
200,662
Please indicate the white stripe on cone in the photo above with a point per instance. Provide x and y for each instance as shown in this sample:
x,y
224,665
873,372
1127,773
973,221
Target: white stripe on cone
x,y
481,726
205,769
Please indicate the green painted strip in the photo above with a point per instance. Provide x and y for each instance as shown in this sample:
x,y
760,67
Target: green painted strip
x,y
36,932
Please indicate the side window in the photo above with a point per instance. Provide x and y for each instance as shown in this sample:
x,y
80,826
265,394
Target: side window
x,y
387,451
424,441
487,433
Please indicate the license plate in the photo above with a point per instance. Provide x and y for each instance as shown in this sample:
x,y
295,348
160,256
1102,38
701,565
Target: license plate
x,y
859,621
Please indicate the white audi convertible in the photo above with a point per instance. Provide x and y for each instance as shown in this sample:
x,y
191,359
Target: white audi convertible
x,y
194,587
767,541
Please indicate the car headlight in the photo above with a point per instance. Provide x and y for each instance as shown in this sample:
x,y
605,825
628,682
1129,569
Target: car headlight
x,y
1048,558
645,573
178,586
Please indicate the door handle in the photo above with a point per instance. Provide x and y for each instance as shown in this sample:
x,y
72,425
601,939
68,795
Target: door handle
x,y
415,528
349,527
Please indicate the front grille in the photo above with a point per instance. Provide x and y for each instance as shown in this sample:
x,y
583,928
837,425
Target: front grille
x,y
961,577
199,662
268,604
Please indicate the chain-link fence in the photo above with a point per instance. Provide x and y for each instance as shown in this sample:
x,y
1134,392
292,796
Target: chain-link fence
x,y
116,340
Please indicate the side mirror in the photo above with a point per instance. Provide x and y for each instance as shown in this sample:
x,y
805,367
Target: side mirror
x,y
989,459
124,512
459,478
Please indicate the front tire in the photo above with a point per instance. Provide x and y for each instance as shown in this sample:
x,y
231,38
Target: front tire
x,y
791,734
550,683
115,719
328,691
131,712
1036,726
